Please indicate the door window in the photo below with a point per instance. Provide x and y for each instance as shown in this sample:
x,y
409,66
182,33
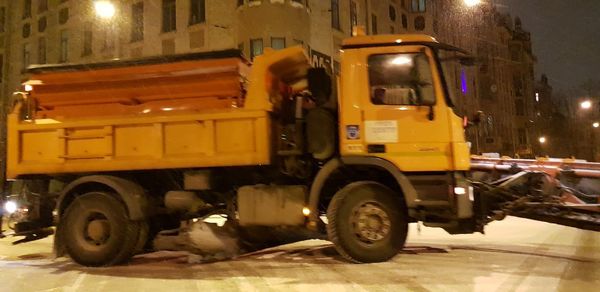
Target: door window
x,y
400,79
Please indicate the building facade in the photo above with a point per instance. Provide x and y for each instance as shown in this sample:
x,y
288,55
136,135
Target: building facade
x,y
69,31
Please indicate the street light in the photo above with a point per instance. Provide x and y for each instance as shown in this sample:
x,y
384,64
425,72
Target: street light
x,y
586,104
542,140
596,124
105,9
472,3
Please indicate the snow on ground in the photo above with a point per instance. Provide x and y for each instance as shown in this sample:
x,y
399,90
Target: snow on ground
x,y
515,254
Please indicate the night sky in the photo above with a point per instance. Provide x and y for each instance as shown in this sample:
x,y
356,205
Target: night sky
x,y
566,37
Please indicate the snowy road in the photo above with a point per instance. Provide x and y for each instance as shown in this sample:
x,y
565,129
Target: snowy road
x,y
515,254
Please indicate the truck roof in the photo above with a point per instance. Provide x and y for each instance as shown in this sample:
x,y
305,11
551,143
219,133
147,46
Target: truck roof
x,y
116,63
365,41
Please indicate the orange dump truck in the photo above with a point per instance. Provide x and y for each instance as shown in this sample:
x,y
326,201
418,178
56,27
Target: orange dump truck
x,y
109,154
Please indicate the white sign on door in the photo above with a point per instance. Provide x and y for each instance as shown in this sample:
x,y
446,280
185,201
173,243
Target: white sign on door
x,y
381,131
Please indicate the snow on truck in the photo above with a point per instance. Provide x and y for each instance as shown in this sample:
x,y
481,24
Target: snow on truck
x,y
112,154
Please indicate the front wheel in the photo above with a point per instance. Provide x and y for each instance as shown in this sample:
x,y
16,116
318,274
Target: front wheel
x,y
367,222
98,232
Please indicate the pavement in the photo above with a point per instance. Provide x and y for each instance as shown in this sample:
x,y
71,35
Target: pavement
x,y
514,255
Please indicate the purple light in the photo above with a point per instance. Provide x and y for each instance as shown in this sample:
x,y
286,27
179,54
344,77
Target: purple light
x,y
463,82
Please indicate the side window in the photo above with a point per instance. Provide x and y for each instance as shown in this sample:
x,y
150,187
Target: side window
x,y
400,79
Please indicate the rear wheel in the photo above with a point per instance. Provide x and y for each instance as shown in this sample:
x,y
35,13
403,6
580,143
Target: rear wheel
x,y
98,232
367,222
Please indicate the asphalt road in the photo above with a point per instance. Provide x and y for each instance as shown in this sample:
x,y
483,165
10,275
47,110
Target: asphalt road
x,y
514,255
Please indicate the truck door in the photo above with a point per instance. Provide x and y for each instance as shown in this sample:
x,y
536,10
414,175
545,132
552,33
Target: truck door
x,y
405,117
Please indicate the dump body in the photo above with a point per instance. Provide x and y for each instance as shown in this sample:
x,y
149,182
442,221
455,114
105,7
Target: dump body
x,y
157,113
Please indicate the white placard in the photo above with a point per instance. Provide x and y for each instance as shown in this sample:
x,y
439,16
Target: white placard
x,y
381,131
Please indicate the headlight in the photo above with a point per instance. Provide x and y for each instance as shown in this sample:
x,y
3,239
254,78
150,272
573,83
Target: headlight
x,y
460,190
10,207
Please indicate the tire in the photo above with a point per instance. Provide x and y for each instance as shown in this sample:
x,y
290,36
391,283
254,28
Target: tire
x,y
367,222
114,242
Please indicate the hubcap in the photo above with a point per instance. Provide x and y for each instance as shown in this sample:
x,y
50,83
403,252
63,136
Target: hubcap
x,y
97,230
371,223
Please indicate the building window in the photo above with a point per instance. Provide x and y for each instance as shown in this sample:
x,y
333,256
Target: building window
x,y
278,43
520,107
240,3
198,11
404,21
419,23
169,15
392,29
137,22
88,38
42,6
374,23
42,50
26,30
107,39
64,46
392,13
418,5
42,24
26,9
26,56
2,18
353,15
256,48
63,16
335,14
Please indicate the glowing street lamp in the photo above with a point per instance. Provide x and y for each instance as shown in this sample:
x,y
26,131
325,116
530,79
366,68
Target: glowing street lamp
x,y
542,140
586,104
472,3
596,124
105,9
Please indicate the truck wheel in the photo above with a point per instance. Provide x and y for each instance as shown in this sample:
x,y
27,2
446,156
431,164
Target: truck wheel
x,y
367,222
98,232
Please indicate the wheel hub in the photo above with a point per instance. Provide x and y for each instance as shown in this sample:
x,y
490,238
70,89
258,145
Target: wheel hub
x,y
371,223
97,231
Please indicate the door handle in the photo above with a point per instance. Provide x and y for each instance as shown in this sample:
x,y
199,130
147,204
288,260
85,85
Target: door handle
x,y
376,148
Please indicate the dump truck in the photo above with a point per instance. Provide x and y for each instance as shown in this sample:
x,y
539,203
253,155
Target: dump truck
x,y
109,155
